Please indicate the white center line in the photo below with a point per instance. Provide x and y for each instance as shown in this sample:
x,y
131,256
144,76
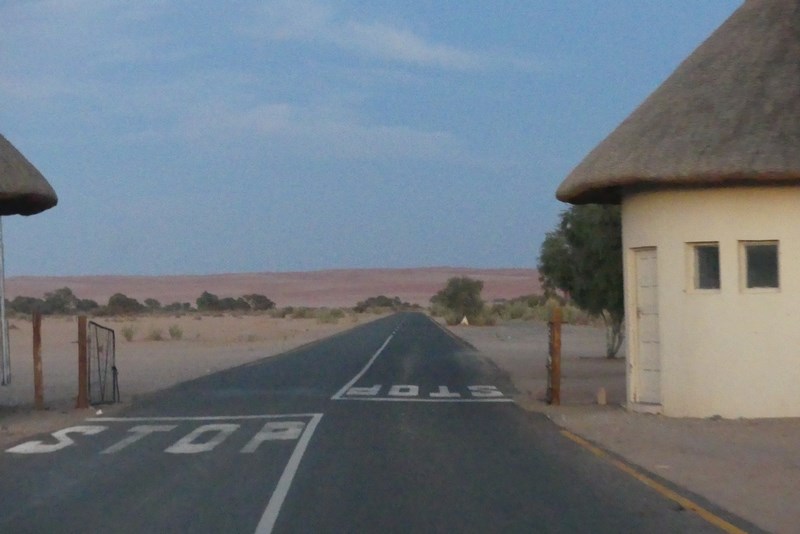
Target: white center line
x,y
267,522
356,378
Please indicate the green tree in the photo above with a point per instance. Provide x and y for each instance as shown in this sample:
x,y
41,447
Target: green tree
x,y
86,305
583,258
60,301
208,302
462,297
26,305
152,304
259,302
122,304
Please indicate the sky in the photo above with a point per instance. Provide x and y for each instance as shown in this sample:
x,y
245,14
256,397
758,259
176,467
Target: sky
x,y
199,137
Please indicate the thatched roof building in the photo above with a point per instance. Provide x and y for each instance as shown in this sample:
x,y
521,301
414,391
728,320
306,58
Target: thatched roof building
x,y
23,189
730,114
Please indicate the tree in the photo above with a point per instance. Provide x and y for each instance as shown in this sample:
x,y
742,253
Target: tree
x,y
259,302
583,258
60,301
208,302
381,302
122,304
86,305
152,304
26,305
462,296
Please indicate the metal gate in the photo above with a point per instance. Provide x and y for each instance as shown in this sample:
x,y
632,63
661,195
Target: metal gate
x,y
102,368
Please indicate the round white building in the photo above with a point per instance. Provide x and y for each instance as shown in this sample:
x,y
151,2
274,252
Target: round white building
x,y
707,171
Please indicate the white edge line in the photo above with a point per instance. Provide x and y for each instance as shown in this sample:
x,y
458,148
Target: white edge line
x,y
270,515
198,418
390,399
356,378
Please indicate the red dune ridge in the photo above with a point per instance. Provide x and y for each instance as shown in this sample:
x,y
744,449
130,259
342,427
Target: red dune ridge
x,y
334,288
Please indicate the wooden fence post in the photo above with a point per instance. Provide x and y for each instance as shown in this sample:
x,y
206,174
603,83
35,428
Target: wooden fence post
x,y
38,378
554,358
83,371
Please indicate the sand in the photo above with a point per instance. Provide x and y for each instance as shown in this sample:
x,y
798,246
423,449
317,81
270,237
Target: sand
x,y
317,288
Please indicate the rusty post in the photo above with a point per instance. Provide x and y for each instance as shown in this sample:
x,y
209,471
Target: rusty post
x,y
83,371
554,367
38,378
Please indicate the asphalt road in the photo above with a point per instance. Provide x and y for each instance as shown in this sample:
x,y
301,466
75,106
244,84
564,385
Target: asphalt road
x,y
394,426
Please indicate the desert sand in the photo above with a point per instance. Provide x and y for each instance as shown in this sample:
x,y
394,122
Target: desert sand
x,y
208,343
317,288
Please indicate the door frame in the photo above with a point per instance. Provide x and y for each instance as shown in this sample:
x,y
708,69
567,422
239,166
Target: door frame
x,y
634,365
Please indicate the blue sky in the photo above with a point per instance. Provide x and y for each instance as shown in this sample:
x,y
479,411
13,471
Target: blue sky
x,y
196,136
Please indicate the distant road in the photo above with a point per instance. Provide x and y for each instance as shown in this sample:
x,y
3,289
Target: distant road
x,y
394,426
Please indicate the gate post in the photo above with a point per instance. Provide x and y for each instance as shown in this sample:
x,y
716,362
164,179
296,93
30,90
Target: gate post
x,y
554,358
83,371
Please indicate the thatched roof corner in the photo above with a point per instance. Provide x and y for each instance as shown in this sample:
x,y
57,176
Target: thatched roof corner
x,y
23,189
729,114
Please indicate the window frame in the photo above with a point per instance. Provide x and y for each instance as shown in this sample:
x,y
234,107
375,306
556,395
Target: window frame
x,y
693,267
744,270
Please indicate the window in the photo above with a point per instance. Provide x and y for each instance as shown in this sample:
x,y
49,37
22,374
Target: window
x,y
706,266
760,263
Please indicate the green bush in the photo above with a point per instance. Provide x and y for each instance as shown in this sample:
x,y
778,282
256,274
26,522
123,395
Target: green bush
x,y
175,332
329,315
302,313
128,332
155,334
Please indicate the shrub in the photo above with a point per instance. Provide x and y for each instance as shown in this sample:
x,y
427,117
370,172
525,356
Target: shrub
x,y
127,332
302,313
329,316
155,334
175,332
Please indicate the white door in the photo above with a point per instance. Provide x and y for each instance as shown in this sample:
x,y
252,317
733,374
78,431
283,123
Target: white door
x,y
647,364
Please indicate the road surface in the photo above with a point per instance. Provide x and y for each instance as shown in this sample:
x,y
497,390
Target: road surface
x,y
394,426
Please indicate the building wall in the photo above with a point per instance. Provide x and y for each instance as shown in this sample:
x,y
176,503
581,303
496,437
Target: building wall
x,y
732,352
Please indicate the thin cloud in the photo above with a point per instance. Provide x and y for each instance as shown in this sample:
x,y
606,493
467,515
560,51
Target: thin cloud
x,y
386,42
309,21
322,132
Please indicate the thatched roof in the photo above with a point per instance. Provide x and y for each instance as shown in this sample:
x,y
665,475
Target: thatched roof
x,y
729,114
23,189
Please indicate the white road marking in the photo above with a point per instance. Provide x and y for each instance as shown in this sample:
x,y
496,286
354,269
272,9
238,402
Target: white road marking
x,y
62,437
485,391
275,431
365,392
189,445
267,522
421,399
138,432
356,378
404,390
445,393
198,418
411,393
